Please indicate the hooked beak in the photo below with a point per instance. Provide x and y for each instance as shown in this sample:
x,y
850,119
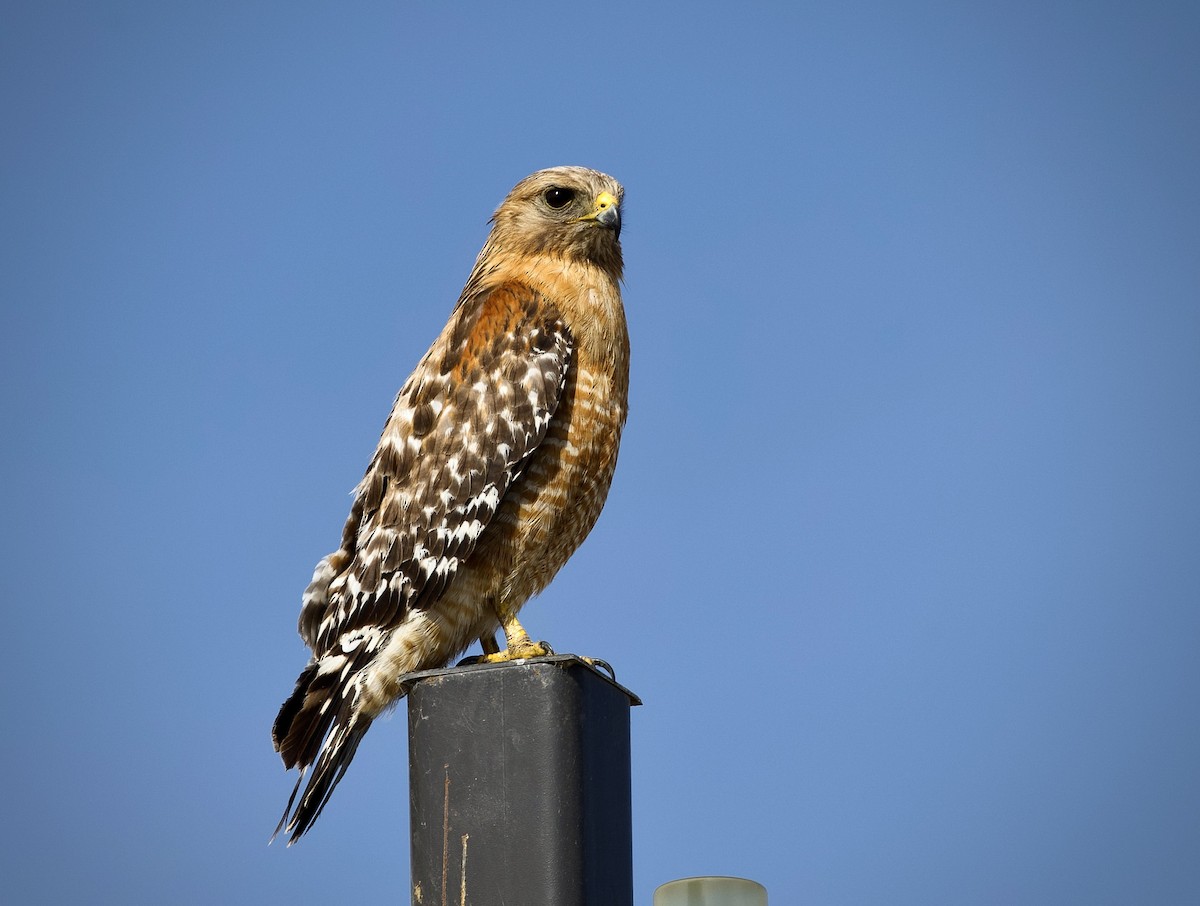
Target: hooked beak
x,y
606,212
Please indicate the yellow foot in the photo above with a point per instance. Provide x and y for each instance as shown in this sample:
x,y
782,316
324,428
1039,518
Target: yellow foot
x,y
523,648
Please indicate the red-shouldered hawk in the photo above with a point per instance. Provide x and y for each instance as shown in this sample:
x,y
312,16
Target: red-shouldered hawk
x,y
493,467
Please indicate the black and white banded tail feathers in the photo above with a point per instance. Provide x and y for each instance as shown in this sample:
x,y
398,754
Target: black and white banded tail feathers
x,y
319,728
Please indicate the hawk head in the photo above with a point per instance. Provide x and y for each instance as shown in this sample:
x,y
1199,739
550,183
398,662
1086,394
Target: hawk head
x,y
573,212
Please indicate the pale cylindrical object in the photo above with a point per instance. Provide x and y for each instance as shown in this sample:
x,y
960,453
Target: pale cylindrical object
x,y
711,891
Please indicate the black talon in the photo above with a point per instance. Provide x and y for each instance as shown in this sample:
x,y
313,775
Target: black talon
x,y
603,665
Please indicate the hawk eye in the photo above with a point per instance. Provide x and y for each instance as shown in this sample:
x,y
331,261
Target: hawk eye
x,y
558,197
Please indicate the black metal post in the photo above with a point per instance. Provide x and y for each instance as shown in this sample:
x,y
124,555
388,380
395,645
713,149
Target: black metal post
x,y
520,785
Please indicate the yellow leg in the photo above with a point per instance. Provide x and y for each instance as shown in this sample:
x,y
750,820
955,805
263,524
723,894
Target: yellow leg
x,y
519,645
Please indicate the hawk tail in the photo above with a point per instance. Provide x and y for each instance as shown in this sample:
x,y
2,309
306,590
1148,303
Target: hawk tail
x,y
319,728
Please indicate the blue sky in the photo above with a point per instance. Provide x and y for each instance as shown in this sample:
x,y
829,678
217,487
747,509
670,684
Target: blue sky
x,y
902,549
